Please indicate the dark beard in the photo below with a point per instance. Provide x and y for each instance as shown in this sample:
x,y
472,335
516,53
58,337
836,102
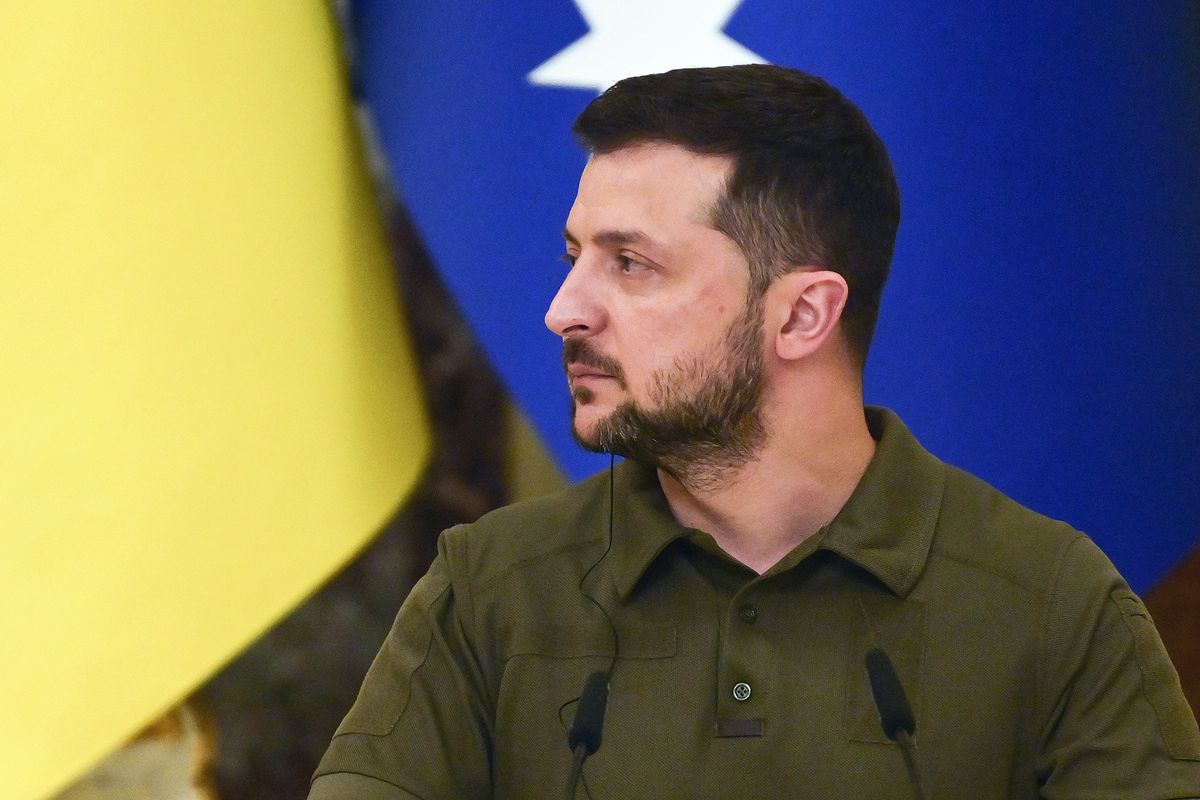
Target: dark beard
x,y
698,438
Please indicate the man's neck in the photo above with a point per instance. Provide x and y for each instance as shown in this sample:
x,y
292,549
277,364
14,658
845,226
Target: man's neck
x,y
800,480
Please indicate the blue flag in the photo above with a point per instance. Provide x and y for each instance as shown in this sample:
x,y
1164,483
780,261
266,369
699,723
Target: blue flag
x,y
1040,325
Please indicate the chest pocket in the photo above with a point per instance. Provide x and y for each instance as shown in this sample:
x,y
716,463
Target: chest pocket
x,y
583,641
897,628
543,669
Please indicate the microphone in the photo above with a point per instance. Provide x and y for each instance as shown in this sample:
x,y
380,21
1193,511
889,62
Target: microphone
x,y
584,737
894,711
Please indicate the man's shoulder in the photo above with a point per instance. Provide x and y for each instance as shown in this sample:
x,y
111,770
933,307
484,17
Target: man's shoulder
x,y
983,529
978,532
529,531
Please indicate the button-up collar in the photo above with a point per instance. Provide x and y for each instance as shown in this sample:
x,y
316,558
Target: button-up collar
x,y
886,526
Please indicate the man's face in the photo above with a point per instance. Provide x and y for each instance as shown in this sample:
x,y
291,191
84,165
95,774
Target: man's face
x,y
662,349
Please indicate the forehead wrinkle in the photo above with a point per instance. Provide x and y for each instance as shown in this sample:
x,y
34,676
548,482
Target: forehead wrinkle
x,y
619,237
612,237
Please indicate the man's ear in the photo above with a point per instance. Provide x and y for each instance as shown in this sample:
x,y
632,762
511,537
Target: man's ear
x,y
804,307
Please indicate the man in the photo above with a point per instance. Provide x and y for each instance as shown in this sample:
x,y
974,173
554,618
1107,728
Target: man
x,y
728,248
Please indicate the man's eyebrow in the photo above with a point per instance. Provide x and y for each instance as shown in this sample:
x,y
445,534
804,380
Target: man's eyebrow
x,y
611,237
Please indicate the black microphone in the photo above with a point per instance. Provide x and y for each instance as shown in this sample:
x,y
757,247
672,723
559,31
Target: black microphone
x,y
586,730
894,711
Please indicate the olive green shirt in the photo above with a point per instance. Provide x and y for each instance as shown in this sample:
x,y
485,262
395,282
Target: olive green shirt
x,y
1032,669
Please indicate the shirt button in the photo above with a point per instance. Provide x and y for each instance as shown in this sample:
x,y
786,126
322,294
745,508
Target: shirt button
x,y
748,613
741,692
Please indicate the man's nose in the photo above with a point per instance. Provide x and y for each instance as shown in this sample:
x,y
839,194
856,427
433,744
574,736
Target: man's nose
x,y
574,311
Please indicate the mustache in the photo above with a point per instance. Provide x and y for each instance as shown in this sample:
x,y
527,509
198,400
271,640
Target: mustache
x,y
581,351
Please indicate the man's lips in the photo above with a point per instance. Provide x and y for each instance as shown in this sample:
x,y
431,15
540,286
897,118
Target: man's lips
x,y
575,371
587,368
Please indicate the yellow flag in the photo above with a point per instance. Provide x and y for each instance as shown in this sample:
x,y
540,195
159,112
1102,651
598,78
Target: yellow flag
x,y
207,402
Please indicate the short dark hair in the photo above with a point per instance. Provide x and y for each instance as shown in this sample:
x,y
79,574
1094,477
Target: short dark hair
x,y
811,182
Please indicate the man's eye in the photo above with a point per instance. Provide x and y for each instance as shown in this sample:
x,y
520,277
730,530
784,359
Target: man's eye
x,y
569,259
628,266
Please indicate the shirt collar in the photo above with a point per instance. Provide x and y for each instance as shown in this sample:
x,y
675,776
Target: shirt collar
x,y
886,526
642,524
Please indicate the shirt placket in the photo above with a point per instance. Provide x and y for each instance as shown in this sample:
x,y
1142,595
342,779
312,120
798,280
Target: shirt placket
x,y
745,670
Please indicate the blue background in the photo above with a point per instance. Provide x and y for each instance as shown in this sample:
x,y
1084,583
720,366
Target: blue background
x,y
1039,328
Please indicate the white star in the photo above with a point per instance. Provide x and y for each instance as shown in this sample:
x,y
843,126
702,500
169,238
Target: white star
x,y
637,37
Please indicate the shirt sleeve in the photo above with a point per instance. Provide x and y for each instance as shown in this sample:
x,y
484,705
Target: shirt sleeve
x,y
1117,724
420,725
